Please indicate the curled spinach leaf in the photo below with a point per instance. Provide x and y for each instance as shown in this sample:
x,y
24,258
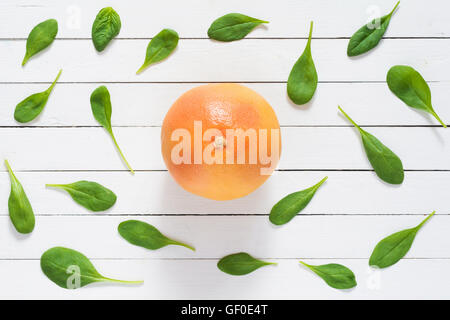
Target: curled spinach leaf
x,y
240,264
393,248
335,275
106,26
32,106
91,195
288,207
160,47
232,26
410,87
102,110
20,210
302,81
387,164
71,269
368,37
40,38
147,236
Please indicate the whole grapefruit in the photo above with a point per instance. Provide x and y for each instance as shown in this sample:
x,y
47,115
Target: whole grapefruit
x,y
221,141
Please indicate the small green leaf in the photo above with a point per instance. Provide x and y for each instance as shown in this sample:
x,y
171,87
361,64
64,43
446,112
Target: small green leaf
x,y
410,87
302,81
368,37
90,195
105,27
239,264
393,248
288,207
160,47
145,235
335,275
387,164
70,269
20,210
40,38
102,110
32,106
232,26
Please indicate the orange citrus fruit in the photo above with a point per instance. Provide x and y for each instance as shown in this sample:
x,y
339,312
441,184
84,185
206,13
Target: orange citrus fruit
x,y
221,141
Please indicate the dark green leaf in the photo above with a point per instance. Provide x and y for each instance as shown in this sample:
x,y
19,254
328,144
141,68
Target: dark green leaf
x,y
70,269
160,47
368,37
393,248
239,264
387,165
20,210
288,207
32,106
102,110
335,275
302,82
145,235
232,26
105,27
410,87
40,38
90,195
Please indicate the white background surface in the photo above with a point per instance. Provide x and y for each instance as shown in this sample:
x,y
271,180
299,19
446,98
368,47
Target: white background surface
x,y
349,214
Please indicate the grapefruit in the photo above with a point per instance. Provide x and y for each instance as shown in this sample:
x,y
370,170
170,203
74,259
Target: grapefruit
x,y
221,141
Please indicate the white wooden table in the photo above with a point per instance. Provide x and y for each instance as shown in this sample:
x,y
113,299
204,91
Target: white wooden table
x,y
349,214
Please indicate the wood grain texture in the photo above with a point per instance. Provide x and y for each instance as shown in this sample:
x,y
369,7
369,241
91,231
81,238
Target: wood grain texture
x,y
303,148
306,236
156,193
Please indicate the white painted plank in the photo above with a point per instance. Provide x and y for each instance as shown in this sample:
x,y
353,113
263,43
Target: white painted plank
x,y
303,148
144,19
146,104
200,279
217,236
157,193
206,61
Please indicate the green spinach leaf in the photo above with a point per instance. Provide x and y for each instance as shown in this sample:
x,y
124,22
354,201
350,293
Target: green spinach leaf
x,y
20,210
90,195
32,106
40,38
302,81
393,248
239,264
70,269
335,275
368,37
410,87
288,207
160,47
106,26
387,164
232,26
145,235
102,110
